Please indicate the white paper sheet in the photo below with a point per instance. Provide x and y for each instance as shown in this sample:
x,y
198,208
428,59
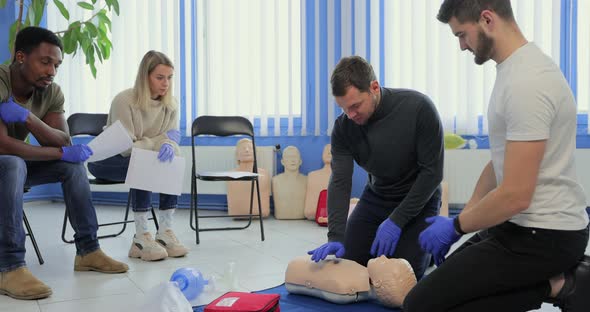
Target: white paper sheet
x,y
112,141
147,173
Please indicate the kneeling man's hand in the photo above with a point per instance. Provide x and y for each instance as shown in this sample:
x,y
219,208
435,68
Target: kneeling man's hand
x,y
438,238
331,248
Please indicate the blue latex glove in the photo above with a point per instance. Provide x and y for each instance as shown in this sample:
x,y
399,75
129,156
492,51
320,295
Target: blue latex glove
x,y
438,238
331,248
386,239
76,153
173,135
11,112
166,153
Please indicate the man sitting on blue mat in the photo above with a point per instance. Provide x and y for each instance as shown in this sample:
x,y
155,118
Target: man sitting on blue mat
x,y
527,205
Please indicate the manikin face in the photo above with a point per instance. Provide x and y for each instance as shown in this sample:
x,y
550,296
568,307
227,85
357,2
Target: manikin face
x,y
327,154
359,106
473,38
39,67
245,152
291,160
160,79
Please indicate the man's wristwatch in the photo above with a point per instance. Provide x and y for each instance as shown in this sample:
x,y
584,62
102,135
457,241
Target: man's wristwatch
x,y
457,226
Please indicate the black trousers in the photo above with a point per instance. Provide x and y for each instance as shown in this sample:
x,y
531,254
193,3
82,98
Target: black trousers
x,y
373,209
504,268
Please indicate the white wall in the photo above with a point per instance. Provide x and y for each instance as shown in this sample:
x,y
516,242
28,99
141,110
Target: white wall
x,y
463,167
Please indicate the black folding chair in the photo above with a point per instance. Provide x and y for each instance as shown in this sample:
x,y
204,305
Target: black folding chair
x,y
223,126
92,124
30,234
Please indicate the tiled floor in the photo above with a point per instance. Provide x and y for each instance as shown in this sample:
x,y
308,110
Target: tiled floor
x,y
258,265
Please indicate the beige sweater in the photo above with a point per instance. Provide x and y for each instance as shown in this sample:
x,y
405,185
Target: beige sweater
x,y
147,128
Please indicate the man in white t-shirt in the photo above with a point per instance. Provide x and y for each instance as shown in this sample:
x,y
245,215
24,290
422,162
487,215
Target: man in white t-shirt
x,y
527,205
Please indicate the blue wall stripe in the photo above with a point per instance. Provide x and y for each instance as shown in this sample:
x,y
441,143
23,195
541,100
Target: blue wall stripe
x,y
182,69
368,29
569,42
195,67
323,67
311,66
337,44
382,42
352,27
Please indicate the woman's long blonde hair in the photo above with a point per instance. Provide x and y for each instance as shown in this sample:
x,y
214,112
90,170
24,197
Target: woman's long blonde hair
x,y
141,90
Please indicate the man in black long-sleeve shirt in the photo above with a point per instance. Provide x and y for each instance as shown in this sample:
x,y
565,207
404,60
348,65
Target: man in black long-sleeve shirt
x,y
397,137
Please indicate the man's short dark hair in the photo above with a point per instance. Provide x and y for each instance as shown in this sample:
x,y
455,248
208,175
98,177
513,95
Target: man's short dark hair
x,y
30,38
352,71
470,10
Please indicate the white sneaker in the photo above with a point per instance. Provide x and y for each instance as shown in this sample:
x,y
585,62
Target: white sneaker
x,y
169,241
146,248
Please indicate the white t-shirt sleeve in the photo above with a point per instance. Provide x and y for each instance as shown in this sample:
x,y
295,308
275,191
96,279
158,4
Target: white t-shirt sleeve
x,y
529,113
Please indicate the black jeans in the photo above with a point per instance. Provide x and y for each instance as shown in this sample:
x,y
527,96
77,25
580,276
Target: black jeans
x,y
373,209
504,268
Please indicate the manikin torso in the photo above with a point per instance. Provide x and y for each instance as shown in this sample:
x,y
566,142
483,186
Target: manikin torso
x,y
339,280
288,188
316,182
238,192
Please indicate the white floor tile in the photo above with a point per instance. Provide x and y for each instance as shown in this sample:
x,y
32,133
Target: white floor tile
x,y
8,304
257,265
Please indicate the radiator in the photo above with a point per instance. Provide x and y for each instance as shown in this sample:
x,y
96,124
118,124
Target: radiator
x,y
463,167
209,158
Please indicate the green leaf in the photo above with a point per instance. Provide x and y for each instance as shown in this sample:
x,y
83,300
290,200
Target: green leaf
x,y
84,40
103,19
30,16
116,6
93,1
2,3
39,8
104,50
98,52
91,28
86,5
93,69
12,37
70,42
62,9
90,59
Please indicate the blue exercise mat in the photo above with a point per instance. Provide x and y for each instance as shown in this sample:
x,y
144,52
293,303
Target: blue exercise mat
x,y
299,303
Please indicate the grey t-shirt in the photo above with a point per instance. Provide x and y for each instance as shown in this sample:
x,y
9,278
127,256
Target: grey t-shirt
x,y
400,147
43,101
532,101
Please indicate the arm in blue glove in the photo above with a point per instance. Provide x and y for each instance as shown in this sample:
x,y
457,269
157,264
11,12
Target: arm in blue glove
x,y
438,238
166,153
331,248
11,112
386,239
76,153
173,135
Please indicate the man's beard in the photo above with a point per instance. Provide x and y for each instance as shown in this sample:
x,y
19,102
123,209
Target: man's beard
x,y
484,48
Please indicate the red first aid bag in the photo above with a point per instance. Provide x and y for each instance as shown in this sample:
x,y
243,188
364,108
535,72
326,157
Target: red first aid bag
x,y
321,213
245,302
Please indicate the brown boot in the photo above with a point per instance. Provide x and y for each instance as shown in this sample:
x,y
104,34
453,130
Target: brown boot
x,y
99,262
21,284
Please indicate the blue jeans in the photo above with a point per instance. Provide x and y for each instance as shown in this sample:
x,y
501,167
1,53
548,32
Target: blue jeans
x,y
15,173
371,210
115,169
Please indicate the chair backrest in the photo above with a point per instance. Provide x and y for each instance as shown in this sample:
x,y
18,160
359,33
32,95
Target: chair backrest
x,y
222,126
86,123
